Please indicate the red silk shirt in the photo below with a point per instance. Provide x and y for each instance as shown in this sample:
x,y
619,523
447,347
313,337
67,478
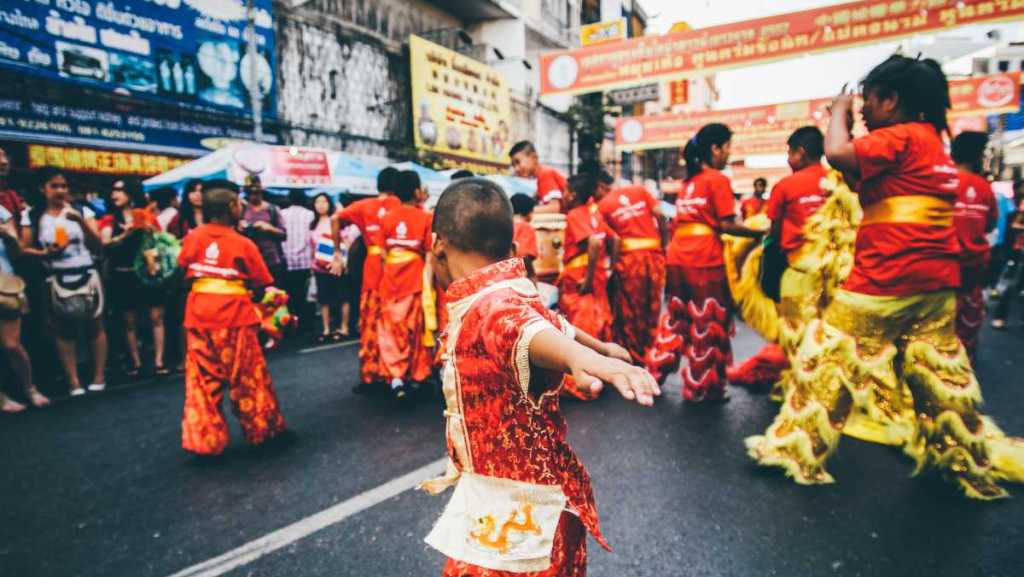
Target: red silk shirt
x,y
901,259
366,214
407,235
504,415
581,223
219,252
795,199
974,214
550,185
629,211
705,199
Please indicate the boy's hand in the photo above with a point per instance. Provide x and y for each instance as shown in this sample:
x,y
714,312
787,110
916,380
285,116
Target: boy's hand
x,y
616,351
591,370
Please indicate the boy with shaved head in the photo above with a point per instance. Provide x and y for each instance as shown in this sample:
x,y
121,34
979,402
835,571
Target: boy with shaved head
x,y
523,503
223,330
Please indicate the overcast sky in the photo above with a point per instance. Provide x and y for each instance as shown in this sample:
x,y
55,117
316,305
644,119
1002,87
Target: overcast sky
x,y
797,79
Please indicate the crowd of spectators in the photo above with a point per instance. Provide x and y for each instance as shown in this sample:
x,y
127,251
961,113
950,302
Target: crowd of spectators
x,y
80,270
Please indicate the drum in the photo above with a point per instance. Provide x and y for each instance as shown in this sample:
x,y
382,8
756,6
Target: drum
x,y
550,235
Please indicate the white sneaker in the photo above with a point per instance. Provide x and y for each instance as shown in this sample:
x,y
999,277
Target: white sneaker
x,y
97,387
77,392
397,383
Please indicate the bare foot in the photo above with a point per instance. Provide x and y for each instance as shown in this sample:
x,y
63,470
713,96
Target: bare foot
x,y
38,399
10,406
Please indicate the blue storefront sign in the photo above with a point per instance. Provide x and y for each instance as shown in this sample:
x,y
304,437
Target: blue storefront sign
x,y
51,122
185,52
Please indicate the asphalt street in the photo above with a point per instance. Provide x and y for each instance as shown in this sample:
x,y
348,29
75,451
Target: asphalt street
x,y
99,487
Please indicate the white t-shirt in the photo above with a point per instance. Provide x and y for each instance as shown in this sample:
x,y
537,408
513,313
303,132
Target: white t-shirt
x,y
76,255
166,216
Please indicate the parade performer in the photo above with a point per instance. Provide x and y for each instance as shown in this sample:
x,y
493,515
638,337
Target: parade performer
x,y
405,358
523,502
223,348
974,215
636,218
892,323
754,204
699,315
550,183
525,236
792,202
366,214
583,284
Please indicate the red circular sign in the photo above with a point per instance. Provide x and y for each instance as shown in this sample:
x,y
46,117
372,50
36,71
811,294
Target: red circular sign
x,y
996,91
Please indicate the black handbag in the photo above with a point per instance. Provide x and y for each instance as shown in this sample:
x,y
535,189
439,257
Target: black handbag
x,y
773,265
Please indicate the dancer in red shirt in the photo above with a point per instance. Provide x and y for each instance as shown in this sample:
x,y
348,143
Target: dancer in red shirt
x,y
892,325
550,183
699,317
523,502
405,359
223,330
367,214
754,204
793,201
636,218
524,235
974,215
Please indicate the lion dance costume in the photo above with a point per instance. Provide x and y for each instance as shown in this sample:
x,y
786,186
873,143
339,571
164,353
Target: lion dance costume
x,y
885,343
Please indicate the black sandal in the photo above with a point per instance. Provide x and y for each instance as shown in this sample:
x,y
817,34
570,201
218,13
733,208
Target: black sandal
x,y
161,371
133,372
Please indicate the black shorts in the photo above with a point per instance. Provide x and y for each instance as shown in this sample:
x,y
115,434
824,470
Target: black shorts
x,y
330,288
126,292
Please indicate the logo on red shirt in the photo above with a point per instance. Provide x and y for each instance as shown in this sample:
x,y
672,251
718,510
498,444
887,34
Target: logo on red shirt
x,y
212,253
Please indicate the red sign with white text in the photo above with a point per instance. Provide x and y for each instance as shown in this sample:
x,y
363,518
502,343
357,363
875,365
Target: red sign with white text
x,y
697,52
764,129
299,166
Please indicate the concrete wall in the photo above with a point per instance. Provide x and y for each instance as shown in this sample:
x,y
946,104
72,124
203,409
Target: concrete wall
x,y
343,78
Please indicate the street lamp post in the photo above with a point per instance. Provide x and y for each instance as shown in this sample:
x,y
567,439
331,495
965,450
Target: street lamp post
x,y
255,96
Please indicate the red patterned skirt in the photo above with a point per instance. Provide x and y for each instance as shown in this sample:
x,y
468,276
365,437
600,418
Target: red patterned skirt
x,y
636,300
402,352
230,358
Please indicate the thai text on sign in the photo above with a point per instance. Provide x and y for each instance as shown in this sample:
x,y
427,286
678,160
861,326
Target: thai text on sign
x,y
697,52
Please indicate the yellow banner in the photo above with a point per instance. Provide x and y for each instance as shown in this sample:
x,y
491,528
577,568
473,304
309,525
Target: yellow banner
x,y
600,32
101,161
460,107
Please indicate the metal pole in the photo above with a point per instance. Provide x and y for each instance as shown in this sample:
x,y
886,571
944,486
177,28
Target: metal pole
x,y
255,96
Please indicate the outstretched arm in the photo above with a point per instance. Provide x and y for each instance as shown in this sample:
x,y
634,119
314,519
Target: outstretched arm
x,y
552,350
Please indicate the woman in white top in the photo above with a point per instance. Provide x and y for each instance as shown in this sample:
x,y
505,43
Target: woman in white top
x,y
63,238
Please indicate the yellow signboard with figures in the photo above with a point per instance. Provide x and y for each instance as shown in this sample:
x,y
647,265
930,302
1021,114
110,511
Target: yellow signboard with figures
x,y
460,106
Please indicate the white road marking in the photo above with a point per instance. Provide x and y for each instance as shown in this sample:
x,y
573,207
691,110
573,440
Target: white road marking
x,y
327,347
271,542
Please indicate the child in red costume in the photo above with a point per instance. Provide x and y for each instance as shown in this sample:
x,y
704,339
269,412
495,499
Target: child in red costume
x,y
223,330
405,357
523,502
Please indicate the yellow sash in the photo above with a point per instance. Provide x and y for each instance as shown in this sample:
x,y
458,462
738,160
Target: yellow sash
x,y
219,286
631,244
910,209
401,256
429,301
374,250
693,229
580,261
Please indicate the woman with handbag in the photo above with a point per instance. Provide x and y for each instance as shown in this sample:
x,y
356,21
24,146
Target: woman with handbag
x,y
123,231
63,238
14,304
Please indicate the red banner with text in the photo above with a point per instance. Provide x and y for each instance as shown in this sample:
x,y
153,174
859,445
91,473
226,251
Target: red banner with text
x,y
695,52
761,130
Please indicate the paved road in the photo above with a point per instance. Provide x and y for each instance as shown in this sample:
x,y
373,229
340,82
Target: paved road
x,y
99,487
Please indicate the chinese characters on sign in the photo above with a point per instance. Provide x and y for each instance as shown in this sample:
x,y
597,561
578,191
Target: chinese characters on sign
x,y
696,52
461,108
101,161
